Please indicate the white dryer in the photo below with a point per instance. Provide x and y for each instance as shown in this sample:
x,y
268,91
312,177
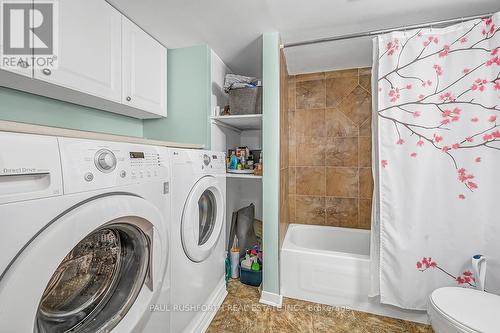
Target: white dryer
x,y
198,236
84,237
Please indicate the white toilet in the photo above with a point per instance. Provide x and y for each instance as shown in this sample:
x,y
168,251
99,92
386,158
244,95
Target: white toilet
x,y
457,310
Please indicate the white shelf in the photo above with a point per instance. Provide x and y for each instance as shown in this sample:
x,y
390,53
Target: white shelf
x,y
242,176
240,123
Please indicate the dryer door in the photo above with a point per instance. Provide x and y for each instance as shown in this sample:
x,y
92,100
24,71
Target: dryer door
x,y
94,269
202,219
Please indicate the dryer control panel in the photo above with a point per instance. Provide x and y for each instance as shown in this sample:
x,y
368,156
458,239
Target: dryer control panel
x,y
91,165
201,161
209,162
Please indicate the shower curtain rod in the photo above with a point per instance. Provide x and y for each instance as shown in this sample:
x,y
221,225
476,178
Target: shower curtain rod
x,y
383,31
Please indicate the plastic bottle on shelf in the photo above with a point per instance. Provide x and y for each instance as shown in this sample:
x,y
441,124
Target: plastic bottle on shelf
x,y
243,159
258,169
234,162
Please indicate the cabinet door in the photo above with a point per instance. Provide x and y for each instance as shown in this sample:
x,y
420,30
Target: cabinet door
x,y
144,70
89,57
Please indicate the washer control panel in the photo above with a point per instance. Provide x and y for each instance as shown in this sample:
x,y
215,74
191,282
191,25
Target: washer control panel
x,y
105,160
30,167
90,165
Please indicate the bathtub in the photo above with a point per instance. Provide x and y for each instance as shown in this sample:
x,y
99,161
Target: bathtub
x,y
331,266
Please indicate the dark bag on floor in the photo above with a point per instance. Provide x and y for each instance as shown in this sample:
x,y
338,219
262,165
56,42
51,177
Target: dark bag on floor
x,y
242,226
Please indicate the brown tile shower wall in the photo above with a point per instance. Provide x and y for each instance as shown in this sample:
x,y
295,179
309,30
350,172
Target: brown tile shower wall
x,y
284,138
329,148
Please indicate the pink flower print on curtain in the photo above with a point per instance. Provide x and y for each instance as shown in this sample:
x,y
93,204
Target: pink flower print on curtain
x,y
438,128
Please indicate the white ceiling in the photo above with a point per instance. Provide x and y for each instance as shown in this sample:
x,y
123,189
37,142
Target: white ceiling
x,y
232,28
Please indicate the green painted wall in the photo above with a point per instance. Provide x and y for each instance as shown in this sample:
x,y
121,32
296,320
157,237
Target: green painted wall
x,y
271,149
28,108
188,98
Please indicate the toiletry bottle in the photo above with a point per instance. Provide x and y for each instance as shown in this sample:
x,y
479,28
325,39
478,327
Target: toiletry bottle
x,y
228,159
234,162
255,265
258,170
247,262
235,262
243,159
250,162
479,269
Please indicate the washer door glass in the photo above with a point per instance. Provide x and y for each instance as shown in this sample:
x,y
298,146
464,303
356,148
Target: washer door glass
x,y
97,282
202,219
208,213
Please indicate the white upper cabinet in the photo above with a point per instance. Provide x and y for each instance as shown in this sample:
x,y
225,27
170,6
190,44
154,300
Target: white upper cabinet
x,y
104,61
144,62
89,57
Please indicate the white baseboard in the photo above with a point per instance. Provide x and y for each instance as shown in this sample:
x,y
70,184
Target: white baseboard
x,y
271,299
216,300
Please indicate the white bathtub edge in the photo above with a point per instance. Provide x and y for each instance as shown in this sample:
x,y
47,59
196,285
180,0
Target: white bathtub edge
x,y
289,245
297,280
336,254
271,299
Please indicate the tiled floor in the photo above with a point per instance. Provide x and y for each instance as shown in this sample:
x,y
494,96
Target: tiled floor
x,y
241,312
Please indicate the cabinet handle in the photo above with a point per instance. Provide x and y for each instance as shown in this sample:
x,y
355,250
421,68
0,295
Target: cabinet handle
x,y
128,98
46,71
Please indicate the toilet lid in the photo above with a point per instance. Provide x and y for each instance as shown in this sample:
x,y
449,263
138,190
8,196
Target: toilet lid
x,y
477,310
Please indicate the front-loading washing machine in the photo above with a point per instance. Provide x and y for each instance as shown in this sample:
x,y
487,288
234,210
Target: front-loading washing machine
x,y
198,235
84,234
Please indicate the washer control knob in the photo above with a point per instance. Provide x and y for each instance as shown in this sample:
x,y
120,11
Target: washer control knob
x,y
123,173
88,177
105,160
206,159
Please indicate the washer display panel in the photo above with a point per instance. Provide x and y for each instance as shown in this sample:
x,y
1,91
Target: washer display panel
x,y
98,280
202,219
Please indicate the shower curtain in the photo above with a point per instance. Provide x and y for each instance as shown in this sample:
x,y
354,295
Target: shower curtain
x,y
436,130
